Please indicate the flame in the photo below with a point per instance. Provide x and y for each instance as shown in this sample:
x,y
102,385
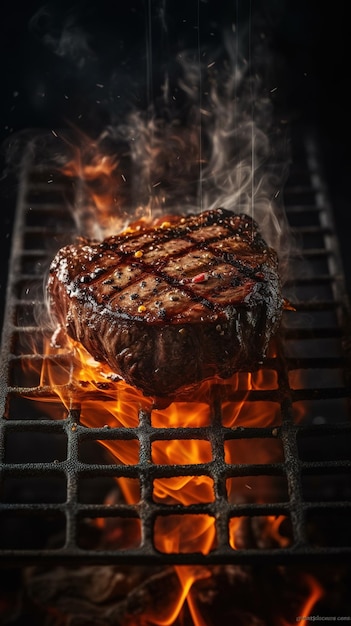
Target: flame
x,y
313,592
105,400
101,188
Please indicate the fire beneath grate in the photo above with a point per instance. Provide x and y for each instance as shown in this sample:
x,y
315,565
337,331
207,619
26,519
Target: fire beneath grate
x,y
290,471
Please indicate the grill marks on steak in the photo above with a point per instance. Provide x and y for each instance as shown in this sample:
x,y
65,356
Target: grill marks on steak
x,y
171,305
162,269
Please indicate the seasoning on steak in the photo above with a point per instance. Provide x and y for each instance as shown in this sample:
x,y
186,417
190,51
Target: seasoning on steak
x,y
171,305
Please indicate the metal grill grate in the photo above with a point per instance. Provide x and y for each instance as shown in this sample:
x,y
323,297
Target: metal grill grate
x,y
49,467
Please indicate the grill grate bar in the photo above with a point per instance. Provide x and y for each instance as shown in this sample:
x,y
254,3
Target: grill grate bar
x,y
272,469
288,437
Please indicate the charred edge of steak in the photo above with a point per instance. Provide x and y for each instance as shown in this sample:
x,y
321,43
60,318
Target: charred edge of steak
x,y
169,307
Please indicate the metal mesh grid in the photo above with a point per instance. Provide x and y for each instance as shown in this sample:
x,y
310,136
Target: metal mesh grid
x,y
311,368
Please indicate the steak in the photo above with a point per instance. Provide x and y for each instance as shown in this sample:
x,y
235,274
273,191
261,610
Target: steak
x,y
174,304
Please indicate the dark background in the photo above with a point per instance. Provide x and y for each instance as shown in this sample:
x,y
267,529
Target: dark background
x,y
54,55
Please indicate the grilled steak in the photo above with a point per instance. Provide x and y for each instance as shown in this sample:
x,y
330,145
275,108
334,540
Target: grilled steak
x,y
171,305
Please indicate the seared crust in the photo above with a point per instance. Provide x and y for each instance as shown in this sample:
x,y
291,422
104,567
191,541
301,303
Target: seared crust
x,y
171,305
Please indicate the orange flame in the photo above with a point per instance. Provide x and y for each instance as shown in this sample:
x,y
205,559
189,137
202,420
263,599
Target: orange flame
x,y
314,592
105,400
139,184
102,189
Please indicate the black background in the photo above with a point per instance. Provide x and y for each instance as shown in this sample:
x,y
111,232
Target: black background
x,y
47,82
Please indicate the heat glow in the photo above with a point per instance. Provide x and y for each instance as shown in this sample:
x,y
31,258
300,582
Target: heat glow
x,y
104,400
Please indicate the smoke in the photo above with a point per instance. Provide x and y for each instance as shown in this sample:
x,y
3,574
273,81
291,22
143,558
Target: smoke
x,y
180,99
210,139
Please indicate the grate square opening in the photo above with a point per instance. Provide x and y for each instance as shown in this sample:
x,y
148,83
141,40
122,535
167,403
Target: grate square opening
x,y
59,369
129,487
42,174
328,527
299,173
304,216
33,240
318,263
200,489
34,264
299,196
99,489
316,445
251,414
180,533
327,411
18,407
25,314
253,450
29,290
267,378
261,489
181,415
312,264
181,452
58,218
321,291
24,489
27,446
27,371
26,529
90,452
311,319
327,486
122,451
262,532
22,343
316,378
311,240
112,531
39,195
314,348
